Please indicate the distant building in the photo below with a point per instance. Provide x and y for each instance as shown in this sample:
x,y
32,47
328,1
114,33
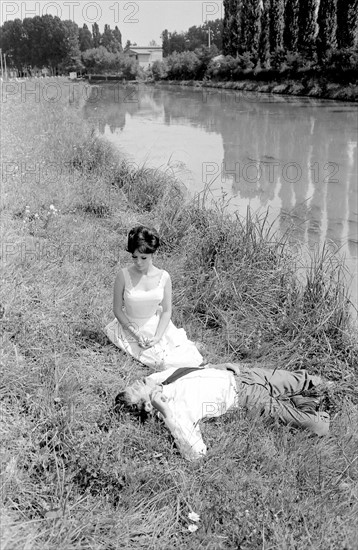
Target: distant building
x,y
145,55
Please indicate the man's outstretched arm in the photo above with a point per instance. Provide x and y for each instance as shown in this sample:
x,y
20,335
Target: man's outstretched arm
x,y
187,436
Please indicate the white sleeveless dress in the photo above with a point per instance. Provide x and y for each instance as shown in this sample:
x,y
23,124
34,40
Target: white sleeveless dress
x,y
143,309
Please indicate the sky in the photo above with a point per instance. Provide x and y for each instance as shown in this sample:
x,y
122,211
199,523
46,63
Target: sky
x,y
139,21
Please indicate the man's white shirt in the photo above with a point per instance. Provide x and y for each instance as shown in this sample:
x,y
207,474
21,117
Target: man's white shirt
x,y
205,393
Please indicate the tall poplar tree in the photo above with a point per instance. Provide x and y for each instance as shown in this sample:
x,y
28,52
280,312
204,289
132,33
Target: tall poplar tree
x,y
290,33
85,38
96,35
165,43
264,46
307,26
276,24
231,27
347,23
118,36
109,40
250,26
327,27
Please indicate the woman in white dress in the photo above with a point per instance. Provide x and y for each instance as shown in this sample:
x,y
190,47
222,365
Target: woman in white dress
x,y
142,305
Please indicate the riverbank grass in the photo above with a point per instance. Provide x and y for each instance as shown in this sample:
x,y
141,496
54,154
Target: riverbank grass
x,y
314,88
76,475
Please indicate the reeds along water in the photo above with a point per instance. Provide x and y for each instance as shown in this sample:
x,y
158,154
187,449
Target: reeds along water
x,y
240,280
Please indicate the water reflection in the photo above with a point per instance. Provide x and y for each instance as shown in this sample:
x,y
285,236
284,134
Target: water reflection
x,y
292,155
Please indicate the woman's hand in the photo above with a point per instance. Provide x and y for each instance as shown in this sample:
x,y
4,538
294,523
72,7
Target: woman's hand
x,y
142,340
147,342
150,342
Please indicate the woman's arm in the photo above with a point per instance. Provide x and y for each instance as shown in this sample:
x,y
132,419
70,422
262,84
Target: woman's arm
x,y
118,307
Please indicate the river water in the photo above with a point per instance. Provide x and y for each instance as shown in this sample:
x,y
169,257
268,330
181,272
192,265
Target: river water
x,y
293,157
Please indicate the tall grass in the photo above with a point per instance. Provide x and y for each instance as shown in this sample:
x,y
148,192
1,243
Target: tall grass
x,y
257,299
76,476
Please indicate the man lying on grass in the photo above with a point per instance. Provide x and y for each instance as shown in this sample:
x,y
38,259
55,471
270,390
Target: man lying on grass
x,y
182,397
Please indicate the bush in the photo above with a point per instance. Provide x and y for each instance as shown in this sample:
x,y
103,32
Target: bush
x,y
232,68
293,61
159,70
222,68
343,59
278,58
183,66
101,61
147,189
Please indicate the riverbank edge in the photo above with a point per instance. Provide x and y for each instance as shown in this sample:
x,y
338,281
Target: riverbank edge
x,y
315,89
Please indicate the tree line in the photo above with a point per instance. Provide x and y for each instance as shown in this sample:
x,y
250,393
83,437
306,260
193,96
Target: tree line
x,y
272,40
266,29
254,35
195,37
47,41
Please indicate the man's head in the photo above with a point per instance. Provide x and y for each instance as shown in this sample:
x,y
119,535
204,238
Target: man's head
x,y
137,396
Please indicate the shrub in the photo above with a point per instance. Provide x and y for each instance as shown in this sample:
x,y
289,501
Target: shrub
x,y
101,61
148,188
222,68
183,66
343,59
159,70
278,57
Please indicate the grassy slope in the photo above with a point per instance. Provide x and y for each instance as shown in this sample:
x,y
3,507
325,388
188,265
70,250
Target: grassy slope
x,y
73,475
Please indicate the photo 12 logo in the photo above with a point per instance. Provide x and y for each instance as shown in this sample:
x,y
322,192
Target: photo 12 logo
x,y
212,10
53,92
90,12
253,172
38,250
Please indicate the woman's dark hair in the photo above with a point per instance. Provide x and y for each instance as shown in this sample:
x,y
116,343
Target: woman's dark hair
x,y
144,239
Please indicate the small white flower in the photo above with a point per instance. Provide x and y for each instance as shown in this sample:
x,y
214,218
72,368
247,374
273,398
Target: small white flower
x,y
193,516
192,528
52,207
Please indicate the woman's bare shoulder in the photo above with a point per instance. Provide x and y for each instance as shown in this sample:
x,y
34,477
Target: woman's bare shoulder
x,y
165,273
165,276
121,275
